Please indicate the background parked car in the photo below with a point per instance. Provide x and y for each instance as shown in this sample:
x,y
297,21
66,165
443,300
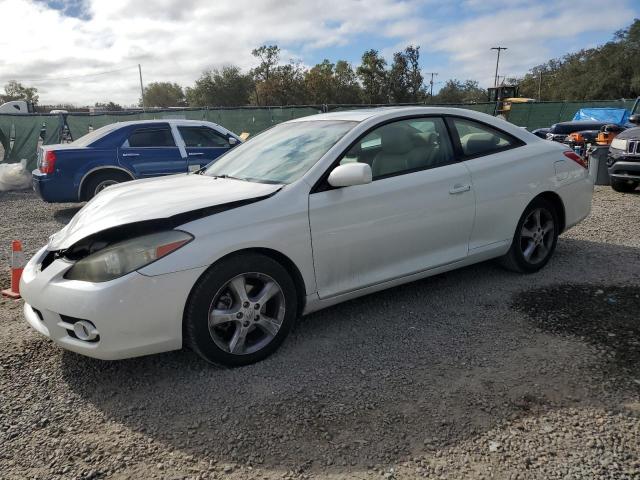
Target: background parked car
x,y
624,159
125,151
561,130
541,132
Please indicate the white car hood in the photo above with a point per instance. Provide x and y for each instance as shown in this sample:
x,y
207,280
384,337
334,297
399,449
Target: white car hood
x,y
153,199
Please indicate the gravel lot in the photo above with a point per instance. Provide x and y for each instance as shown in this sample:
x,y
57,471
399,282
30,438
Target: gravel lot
x,y
478,373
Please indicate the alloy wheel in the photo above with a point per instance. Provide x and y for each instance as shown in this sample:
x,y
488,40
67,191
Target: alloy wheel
x,y
246,313
537,235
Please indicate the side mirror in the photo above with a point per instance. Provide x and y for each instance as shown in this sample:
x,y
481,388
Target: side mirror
x,y
350,174
233,141
635,119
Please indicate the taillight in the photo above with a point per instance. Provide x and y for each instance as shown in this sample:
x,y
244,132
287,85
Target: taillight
x,y
576,158
48,162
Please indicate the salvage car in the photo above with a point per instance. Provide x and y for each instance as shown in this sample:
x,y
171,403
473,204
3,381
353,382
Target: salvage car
x,y
558,132
307,214
623,161
120,152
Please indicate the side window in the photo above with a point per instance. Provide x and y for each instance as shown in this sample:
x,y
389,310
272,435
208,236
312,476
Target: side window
x,y
479,139
402,147
202,137
151,137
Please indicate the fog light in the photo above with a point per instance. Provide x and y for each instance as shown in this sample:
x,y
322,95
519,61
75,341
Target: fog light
x,y
85,330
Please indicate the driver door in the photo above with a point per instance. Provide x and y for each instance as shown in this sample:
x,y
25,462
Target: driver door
x,y
416,214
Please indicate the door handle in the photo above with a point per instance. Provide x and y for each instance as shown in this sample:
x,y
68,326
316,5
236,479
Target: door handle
x,y
130,154
459,188
196,154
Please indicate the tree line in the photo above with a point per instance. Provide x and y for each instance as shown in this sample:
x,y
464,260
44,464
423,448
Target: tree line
x,y
271,82
605,72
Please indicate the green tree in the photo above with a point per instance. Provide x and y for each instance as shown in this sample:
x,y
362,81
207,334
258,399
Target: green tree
x,y
269,57
397,79
608,71
347,88
373,75
228,87
163,94
320,83
414,80
109,106
286,85
455,91
14,90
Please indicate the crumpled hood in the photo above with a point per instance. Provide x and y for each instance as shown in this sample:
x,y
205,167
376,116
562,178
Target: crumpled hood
x,y
153,199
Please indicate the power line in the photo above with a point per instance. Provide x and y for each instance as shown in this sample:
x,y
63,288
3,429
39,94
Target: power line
x,y
46,79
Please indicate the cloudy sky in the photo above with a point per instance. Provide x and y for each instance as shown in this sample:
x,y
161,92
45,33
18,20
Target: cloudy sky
x,y
66,48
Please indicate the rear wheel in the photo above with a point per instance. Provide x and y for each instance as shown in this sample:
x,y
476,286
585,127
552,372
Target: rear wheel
x,y
624,186
241,310
101,180
535,238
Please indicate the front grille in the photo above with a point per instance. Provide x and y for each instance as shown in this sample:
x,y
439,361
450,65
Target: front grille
x,y
633,147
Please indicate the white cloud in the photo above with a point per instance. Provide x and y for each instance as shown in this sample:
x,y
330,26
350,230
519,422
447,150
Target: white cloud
x,y
533,32
174,40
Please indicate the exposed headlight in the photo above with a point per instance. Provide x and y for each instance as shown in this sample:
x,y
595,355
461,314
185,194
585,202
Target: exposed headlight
x,y
124,257
619,144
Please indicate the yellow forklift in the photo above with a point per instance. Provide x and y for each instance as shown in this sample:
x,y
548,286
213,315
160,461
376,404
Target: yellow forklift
x,y
504,96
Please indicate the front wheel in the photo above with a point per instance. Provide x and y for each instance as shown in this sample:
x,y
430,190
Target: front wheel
x,y
535,238
241,310
624,186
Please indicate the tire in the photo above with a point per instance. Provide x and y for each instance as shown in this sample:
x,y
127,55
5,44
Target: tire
x,y
624,186
101,180
523,256
240,333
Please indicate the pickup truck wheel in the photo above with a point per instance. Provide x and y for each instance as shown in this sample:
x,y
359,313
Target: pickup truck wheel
x,y
99,181
624,186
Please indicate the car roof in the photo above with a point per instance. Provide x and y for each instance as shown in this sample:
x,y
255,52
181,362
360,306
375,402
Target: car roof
x,y
362,114
176,121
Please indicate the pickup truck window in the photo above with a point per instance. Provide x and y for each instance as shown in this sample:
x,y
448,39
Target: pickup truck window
x,y
151,137
202,137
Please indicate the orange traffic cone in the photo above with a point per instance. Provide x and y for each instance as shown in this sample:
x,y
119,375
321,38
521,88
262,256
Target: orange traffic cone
x,y
17,265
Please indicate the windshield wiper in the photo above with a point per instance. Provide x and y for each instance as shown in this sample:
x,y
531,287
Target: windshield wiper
x,y
225,175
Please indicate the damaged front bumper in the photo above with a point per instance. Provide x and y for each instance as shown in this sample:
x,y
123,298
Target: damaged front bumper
x,y
132,315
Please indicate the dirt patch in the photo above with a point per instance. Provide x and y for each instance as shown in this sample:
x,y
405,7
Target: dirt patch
x,y
605,316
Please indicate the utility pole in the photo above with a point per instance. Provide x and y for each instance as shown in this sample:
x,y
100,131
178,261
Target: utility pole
x,y
141,87
539,84
433,74
499,49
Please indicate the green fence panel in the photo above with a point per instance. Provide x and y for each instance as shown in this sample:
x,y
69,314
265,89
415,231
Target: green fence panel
x,y
81,124
238,120
199,114
544,114
20,134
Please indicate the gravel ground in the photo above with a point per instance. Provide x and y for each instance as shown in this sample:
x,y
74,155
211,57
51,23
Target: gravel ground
x,y
477,373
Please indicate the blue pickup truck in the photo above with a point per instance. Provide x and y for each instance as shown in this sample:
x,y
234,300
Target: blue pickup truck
x,y
119,152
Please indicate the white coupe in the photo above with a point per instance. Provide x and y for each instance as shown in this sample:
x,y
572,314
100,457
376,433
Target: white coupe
x,y
309,213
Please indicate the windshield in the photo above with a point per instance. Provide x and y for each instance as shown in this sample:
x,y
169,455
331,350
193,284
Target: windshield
x,y
283,153
91,137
